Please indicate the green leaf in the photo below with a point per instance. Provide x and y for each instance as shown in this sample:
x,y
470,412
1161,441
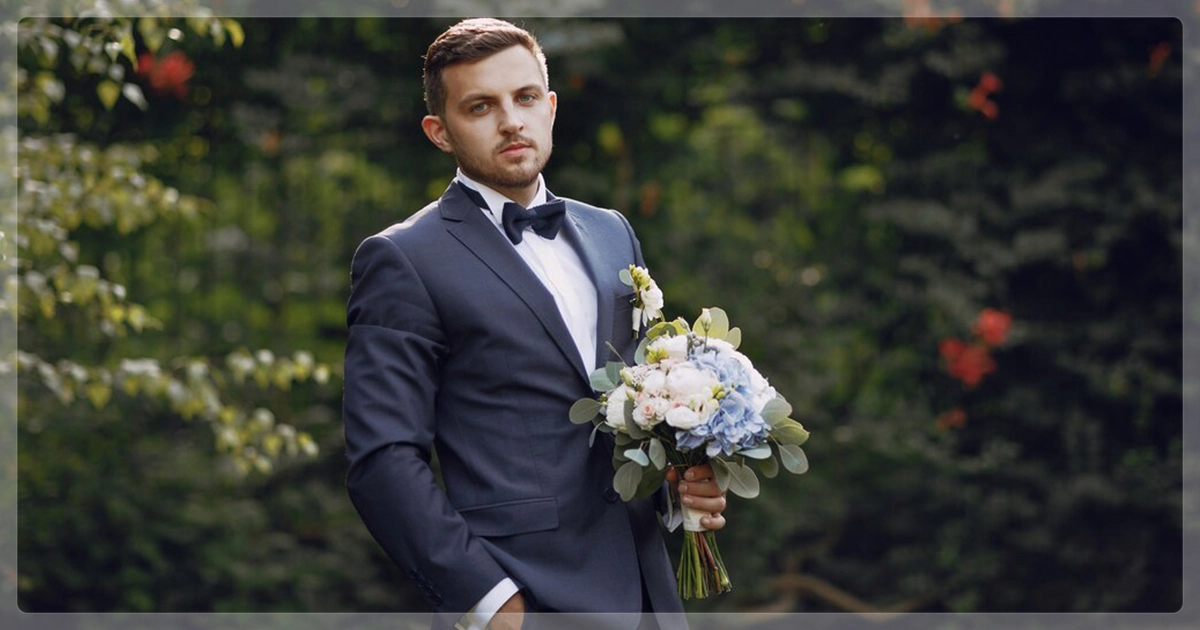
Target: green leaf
x,y
127,47
109,92
721,472
718,323
622,438
626,277
639,456
658,454
788,431
634,430
793,459
592,435
769,467
761,452
776,410
742,481
152,34
625,482
98,393
651,482
639,356
584,410
734,337
236,34
613,370
600,381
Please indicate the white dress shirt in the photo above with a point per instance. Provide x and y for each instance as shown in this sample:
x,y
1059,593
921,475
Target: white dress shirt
x,y
564,275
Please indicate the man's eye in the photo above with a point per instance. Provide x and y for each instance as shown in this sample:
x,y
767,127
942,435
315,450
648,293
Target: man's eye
x,y
526,98
479,108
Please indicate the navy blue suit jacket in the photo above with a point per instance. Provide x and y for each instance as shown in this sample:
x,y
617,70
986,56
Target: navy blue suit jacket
x,y
455,344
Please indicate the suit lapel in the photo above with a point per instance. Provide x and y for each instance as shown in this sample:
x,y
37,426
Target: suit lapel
x,y
578,229
465,221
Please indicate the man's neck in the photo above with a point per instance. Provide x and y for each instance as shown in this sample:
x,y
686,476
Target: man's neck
x,y
532,195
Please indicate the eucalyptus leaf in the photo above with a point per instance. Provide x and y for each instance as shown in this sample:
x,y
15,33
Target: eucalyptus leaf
x,y
634,430
622,438
625,482
638,455
793,459
651,482
788,431
613,370
734,337
600,381
584,410
769,467
721,472
718,323
658,454
592,435
762,452
742,481
626,277
639,356
775,410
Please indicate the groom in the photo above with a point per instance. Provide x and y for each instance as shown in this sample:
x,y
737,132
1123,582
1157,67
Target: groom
x,y
473,326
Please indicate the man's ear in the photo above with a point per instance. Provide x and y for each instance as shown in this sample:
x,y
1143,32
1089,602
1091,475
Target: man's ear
x,y
553,98
435,130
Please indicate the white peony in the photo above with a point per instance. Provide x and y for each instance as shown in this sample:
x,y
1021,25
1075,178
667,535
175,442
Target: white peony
x,y
614,410
691,386
654,382
683,418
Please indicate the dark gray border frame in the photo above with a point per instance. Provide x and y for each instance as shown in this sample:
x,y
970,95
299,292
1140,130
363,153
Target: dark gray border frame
x,y
1187,11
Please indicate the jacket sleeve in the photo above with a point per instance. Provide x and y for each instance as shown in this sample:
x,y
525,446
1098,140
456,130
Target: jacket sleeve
x,y
393,351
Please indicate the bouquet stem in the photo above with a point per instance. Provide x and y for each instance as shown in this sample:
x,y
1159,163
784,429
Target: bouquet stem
x,y
701,572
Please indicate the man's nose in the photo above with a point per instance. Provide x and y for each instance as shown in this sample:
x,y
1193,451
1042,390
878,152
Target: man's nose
x,y
511,120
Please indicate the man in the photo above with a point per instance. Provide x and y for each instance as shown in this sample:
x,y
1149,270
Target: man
x,y
471,334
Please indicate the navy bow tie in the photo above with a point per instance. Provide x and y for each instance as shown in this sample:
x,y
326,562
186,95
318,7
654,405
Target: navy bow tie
x,y
545,219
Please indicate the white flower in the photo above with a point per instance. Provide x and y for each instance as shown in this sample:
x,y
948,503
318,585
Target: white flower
x,y
652,303
654,382
614,410
671,347
761,391
683,418
691,386
650,410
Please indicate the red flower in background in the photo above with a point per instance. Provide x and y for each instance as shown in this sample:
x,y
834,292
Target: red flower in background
x,y
978,99
168,75
968,363
992,326
953,419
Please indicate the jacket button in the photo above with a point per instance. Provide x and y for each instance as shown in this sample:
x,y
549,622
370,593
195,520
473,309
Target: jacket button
x,y
611,495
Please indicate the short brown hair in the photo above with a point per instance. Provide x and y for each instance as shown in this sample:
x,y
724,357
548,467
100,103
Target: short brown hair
x,y
469,41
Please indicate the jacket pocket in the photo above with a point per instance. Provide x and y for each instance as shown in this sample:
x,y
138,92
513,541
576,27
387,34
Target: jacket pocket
x,y
512,517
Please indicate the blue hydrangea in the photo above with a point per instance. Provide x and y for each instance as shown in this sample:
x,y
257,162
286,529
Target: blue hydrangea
x,y
736,425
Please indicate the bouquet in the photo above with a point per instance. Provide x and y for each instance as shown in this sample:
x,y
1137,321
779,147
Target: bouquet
x,y
690,398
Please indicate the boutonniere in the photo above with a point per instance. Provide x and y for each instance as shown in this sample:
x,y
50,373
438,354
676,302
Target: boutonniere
x,y
647,297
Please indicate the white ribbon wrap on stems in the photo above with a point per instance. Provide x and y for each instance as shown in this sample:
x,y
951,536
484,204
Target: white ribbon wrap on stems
x,y
691,519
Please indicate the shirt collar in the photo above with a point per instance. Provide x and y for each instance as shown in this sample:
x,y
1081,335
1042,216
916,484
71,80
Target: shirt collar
x,y
495,200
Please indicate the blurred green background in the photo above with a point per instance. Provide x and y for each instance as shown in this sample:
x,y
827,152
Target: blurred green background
x,y
852,192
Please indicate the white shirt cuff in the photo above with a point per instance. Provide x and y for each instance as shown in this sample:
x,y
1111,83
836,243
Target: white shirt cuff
x,y
481,615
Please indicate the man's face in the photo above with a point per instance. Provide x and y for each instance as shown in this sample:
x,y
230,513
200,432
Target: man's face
x,y
498,121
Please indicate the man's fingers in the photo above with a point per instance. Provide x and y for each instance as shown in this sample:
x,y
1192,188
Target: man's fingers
x,y
713,522
715,505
